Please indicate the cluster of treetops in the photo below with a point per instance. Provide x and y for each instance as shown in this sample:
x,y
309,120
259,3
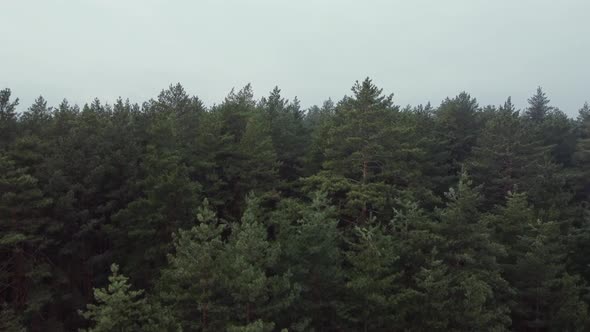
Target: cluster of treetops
x,y
256,215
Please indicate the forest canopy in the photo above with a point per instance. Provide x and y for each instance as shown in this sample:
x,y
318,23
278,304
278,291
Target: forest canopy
x,y
258,215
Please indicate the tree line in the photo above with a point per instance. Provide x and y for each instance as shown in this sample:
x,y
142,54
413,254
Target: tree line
x,y
257,215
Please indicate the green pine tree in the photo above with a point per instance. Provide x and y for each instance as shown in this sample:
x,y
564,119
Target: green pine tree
x,y
475,290
119,308
192,283
8,119
548,298
24,241
356,153
143,229
214,283
373,282
311,250
538,106
505,157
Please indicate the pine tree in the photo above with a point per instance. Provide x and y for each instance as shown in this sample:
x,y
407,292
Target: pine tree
x,y
581,156
288,134
143,229
434,287
248,161
226,282
259,166
534,267
545,291
509,223
356,152
119,308
372,282
36,118
256,293
24,238
552,127
311,250
538,106
7,118
457,127
475,291
192,282
558,133
235,111
505,156
318,121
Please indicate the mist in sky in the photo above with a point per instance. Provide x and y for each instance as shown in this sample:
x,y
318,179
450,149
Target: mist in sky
x,y
420,50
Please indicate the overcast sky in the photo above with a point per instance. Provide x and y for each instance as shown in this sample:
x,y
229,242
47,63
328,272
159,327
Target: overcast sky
x,y
420,50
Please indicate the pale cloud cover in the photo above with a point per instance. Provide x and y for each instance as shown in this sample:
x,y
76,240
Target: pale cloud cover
x,y
421,50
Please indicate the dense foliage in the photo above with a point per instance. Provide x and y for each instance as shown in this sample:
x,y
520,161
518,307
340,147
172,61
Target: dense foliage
x,y
256,215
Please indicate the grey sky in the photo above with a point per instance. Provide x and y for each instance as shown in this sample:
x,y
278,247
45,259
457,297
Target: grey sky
x,y
420,50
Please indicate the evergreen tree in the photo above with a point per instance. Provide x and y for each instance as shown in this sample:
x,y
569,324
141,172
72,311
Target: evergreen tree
x,y
356,152
373,282
143,229
548,298
558,133
457,127
538,106
192,282
505,156
311,250
119,308
474,290
235,110
534,267
226,282
36,118
256,293
288,134
24,239
7,118
249,161
259,166
581,156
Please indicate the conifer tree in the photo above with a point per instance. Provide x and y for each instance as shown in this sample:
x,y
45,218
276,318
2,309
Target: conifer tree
x,y
119,308
538,106
474,288
288,133
226,282
24,239
192,282
259,167
235,111
534,267
257,293
581,156
249,160
311,250
544,288
318,121
143,229
457,127
373,282
357,152
36,118
505,156
7,118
